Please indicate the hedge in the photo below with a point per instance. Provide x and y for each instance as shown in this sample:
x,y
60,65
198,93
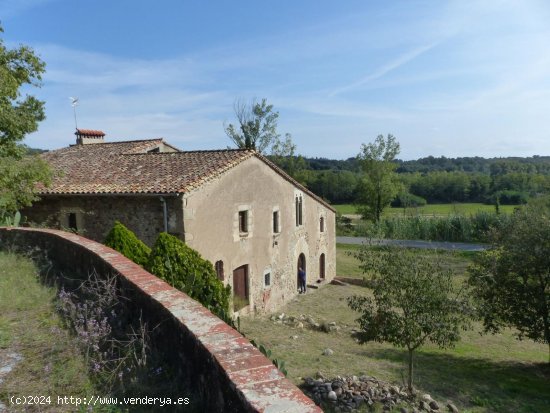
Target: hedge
x,y
125,241
183,268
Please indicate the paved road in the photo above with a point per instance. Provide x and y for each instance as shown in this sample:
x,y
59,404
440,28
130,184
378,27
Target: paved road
x,y
450,246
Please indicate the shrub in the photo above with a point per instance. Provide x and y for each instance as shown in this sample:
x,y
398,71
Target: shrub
x,y
183,268
125,241
509,197
343,225
9,220
456,228
408,200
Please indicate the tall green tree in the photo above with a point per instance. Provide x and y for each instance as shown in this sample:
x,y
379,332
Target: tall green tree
x,y
511,281
257,125
19,115
413,301
380,184
18,179
283,154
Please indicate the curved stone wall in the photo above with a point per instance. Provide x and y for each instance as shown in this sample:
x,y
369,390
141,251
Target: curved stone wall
x,y
232,375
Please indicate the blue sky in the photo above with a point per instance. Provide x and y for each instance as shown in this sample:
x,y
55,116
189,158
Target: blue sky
x,y
452,78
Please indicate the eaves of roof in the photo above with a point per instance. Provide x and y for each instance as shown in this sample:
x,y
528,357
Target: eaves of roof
x,y
167,173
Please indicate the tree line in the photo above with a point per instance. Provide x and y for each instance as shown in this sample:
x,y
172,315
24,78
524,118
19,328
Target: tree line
x,y
511,182
491,166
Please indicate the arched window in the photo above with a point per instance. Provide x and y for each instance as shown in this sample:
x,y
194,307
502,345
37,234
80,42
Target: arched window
x,y
322,266
322,224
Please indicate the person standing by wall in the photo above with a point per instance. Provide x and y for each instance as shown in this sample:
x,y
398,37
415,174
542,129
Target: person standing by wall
x,y
301,280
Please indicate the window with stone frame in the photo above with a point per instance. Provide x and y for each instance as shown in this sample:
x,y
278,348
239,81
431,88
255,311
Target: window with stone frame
x,y
276,223
72,223
299,213
72,220
243,221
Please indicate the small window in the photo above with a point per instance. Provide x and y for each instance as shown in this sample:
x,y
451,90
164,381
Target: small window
x,y
276,229
72,222
299,219
219,270
297,213
243,221
267,279
322,224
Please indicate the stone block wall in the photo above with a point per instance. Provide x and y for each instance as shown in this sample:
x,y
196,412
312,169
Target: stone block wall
x,y
226,371
96,214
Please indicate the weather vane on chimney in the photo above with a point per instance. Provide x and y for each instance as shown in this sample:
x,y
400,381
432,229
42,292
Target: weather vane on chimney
x,y
74,104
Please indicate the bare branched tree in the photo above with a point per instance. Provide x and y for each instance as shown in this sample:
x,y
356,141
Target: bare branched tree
x,y
257,125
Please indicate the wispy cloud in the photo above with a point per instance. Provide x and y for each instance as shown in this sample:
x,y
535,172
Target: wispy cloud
x,y
12,8
130,98
339,108
386,68
460,78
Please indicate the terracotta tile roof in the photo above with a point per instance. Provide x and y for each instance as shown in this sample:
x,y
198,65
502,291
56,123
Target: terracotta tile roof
x,y
93,171
127,168
90,132
81,153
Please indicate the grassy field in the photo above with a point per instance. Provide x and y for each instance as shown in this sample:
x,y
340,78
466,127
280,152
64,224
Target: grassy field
x,y
29,326
433,209
484,373
348,266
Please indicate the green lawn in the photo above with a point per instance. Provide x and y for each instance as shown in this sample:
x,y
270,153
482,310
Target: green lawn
x,y
433,209
52,363
348,266
484,373
29,325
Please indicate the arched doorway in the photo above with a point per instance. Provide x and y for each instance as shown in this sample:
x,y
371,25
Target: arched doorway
x,y
301,264
322,266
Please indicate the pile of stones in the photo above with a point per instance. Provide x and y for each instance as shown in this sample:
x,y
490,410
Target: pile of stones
x,y
346,394
305,321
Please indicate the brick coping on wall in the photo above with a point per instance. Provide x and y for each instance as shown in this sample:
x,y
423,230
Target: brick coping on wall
x,y
257,382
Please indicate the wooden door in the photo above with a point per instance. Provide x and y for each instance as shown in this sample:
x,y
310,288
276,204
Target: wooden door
x,y
240,282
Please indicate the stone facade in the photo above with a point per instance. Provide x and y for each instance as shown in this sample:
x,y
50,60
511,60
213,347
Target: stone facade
x,y
211,222
250,219
96,214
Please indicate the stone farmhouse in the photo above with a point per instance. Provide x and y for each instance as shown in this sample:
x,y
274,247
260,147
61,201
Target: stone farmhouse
x,y
255,223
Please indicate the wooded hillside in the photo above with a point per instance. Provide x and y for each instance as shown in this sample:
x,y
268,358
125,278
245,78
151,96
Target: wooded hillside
x,y
435,179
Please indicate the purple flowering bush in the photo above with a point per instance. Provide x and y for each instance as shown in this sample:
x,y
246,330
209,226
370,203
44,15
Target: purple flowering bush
x,y
114,348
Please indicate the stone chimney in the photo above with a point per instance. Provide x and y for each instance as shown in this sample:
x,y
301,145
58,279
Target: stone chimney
x,y
89,136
